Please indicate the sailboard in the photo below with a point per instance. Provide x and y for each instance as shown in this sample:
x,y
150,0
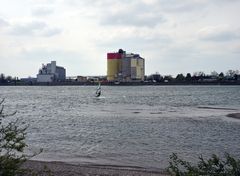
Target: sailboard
x,y
98,91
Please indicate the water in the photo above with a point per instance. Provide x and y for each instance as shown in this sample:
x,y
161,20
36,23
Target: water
x,y
127,126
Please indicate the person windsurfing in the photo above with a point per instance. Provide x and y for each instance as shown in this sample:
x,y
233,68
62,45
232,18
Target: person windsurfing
x,y
98,91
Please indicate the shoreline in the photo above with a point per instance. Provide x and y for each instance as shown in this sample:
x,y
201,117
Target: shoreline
x,y
234,115
57,168
221,83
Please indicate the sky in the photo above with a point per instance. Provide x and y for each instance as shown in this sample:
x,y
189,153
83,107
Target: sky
x,y
174,36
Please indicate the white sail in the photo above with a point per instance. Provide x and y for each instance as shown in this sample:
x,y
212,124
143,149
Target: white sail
x,y
98,91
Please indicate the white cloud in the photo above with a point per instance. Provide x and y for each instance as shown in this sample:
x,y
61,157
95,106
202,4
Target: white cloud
x,y
33,28
42,11
219,34
130,18
29,28
3,23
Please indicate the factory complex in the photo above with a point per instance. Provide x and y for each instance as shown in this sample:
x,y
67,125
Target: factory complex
x,y
121,67
125,67
51,73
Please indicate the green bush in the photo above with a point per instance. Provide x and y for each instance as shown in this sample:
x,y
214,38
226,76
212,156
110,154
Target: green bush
x,y
12,144
228,166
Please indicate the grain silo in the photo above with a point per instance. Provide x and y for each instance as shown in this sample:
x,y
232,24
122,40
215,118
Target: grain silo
x,y
114,65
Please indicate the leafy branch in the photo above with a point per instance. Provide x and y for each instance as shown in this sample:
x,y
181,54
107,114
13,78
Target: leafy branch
x,y
214,166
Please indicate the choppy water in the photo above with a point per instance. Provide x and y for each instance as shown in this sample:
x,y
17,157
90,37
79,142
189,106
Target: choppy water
x,y
130,126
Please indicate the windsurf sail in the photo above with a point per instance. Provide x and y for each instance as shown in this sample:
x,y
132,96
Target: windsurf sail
x,y
98,91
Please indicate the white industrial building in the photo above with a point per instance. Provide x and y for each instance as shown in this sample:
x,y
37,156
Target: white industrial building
x,y
51,73
133,67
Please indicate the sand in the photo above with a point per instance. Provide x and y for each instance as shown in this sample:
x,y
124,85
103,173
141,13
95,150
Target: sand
x,y
234,115
65,169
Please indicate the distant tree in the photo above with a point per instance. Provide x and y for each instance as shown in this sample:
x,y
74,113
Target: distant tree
x,y
9,79
221,76
199,74
2,78
235,77
231,73
188,77
180,78
168,78
214,74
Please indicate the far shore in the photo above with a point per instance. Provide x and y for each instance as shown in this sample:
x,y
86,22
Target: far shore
x,y
65,169
119,83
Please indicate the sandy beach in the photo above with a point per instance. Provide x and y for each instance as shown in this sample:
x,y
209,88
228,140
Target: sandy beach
x,y
234,115
66,169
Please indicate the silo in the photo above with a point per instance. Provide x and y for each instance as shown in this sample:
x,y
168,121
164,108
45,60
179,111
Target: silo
x,y
114,66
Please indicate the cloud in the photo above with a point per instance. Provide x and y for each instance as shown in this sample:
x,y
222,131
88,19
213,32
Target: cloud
x,y
134,38
3,23
34,28
42,11
51,32
176,6
132,13
29,28
120,13
147,19
41,2
218,34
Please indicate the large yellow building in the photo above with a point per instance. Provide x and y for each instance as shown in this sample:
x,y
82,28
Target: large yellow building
x,y
125,67
114,66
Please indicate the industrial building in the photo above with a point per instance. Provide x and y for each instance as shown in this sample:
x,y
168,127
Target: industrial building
x,y
51,73
125,67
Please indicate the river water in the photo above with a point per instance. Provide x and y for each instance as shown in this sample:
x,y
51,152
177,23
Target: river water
x,y
137,126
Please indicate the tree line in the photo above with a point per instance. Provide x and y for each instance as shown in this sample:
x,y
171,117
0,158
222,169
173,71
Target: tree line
x,y
229,76
7,79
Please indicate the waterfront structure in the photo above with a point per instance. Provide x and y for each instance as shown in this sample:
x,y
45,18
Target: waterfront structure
x,y
114,65
81,79
125,67
28,80
51,73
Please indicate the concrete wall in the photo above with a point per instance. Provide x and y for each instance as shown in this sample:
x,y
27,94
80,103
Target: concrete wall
x,y
137,68
45,78
53,67
126,69
60,73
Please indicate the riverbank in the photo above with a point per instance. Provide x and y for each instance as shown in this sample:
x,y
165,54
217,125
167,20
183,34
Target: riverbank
x,y
173,83
66,169
234,115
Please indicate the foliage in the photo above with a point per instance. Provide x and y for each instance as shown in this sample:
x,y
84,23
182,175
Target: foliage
x,y
12,145
180,77
231,73
211,167
188,77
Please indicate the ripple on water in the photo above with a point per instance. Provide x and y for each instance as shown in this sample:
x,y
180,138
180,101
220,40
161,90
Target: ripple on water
x,y
128,126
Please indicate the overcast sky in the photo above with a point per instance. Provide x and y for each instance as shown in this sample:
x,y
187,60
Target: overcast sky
x,y
174,36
